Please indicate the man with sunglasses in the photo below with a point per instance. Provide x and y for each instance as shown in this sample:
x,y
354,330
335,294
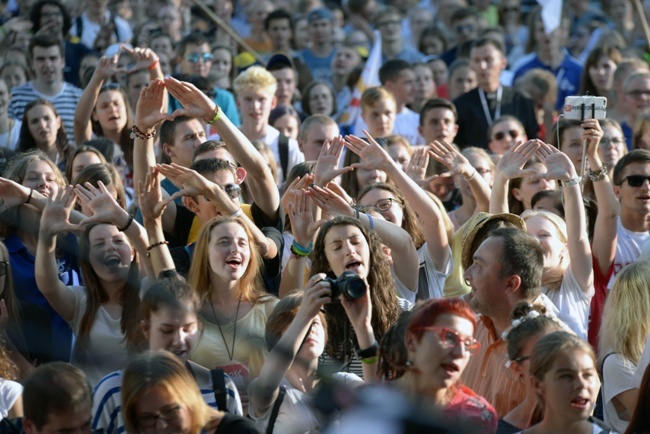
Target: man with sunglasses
x,y
632,188
195,58
504,133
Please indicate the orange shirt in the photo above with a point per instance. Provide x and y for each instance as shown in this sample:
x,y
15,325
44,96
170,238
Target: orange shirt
x,y
487,374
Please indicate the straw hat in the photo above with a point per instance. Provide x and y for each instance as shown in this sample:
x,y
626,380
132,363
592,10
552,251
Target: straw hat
x,y
474,226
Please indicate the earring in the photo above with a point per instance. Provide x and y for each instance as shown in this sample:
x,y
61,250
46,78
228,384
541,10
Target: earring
x,y
408,364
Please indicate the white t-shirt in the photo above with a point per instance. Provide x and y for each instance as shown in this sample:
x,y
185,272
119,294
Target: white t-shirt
x,y
573,303
406,125
10,139
107,398
90,29
617,378
628,248
644,361
296,414
272,140
10,391
431,282
106,350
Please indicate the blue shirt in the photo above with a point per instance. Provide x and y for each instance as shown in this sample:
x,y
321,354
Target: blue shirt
x,y
320,67
568,76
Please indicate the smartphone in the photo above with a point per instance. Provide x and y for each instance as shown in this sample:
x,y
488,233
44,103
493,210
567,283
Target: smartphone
x,y
585,107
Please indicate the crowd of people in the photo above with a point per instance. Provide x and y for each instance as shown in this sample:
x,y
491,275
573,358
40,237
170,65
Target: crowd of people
x,y
219,225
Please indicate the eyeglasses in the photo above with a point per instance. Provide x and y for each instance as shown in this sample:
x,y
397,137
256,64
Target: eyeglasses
x,y
638,93
451,339
465,28
636,180
383,205
502,134
614,141
196,57
4,267
233,190
167,414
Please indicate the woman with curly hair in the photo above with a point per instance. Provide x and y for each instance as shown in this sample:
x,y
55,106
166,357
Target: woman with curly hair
x,y
42,128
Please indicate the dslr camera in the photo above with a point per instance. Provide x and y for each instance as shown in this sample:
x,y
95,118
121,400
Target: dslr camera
x,y
348,284
585,107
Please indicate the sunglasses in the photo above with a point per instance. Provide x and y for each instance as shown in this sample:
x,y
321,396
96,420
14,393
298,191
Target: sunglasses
x,y
636,180
465,28
4,267
451,339
502,134
110,86
197,57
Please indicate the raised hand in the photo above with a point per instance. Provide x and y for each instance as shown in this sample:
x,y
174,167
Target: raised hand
x,y
150,198
195,103
56,214
558,164
12,194
593,134
372,155
150,110
328,161
107,67
331,203
511,163
301,215
291,191
447,155
145,57
103,205
417,167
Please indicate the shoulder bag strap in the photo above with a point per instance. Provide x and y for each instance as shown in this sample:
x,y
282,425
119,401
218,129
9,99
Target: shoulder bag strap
x,y
276,409
219,388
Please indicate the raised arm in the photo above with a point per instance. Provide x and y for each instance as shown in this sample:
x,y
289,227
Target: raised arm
x,y
603,245
56,215
261,183
106,68
327,165
560,167
396,238
264,389
457,164
510,166
374,156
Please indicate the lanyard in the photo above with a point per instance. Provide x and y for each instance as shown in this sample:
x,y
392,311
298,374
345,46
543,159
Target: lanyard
x,y
486,108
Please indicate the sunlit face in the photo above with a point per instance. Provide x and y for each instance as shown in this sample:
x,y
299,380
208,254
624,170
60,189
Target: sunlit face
x,y
602,74
201,66
313,345
570,387
530,186
403,88
634,200
173,330
321,100
505,136
346,249
437,364
316,136
380,117
637,95
378,197
345,60
110,253
255,105
487,62
425,87
229,252
549,237
157,401
484,276
48,64
400,154
523,365
287,125
187,137
462,80
286,78
110,111
83,160
41,177
43,125
572,145
482,167
221,63
439,124
14,75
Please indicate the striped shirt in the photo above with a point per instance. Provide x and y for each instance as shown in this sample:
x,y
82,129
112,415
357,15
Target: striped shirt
x,y
107,398
65,102
487,374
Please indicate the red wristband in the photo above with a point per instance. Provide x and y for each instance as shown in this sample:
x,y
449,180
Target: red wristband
x,y
153,65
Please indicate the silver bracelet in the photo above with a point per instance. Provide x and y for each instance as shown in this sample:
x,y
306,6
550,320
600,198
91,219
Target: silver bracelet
x,y
571,182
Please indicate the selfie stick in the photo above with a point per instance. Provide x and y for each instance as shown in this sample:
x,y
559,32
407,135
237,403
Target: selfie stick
x,y
226,27
644,22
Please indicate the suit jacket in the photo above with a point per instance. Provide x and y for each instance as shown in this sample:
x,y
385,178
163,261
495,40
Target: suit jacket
x,y
473,126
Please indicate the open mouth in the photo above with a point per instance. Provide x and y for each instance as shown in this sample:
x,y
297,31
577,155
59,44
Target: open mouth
x,y
234,262
580,402
353,265
112,261
450,368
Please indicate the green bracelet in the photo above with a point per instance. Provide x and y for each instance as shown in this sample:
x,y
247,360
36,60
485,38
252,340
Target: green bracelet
x,y
370,360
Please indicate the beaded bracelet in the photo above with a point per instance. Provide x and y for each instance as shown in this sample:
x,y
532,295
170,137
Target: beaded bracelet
x,y
137,133
154,245
598,175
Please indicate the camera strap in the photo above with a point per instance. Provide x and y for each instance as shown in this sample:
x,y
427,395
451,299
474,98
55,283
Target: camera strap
x,y
486,107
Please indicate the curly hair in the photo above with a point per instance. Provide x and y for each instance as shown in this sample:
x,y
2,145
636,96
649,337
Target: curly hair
x,y
255,78
385,307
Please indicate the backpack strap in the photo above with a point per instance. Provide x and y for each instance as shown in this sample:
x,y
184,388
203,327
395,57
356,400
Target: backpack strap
x,y
219,388
80,26
276,409
283,149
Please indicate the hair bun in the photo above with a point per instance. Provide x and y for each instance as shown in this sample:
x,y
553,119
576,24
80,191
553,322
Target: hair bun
x,y
523,308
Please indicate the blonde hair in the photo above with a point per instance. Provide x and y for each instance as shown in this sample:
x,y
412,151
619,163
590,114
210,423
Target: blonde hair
x,y
160,368
255,78
479,152
250,284
626,316
373,95
554,277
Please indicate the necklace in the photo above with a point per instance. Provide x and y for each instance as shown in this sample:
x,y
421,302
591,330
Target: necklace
x,y
234,331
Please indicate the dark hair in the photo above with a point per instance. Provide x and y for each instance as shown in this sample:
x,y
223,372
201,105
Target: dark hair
x,y
107,174
209,166
391,70
207,146
515,205
56,388
278,14
562,125
27,142
554,195
587,86
528,327
80,150
482,42
634,156
170,292
435,103
46,40
283,315
126,142
35,15
640,422
194,38
522,255
392,356
280,111
502,119
168,131
306,97
435,31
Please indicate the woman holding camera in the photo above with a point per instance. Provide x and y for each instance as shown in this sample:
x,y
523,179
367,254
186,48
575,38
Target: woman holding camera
x,y
296,333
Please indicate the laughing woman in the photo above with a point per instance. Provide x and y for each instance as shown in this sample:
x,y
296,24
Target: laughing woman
x,y
105,312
